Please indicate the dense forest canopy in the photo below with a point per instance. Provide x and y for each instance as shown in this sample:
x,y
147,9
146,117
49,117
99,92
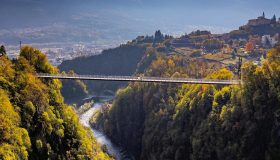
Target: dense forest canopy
x,y
35,122
199,121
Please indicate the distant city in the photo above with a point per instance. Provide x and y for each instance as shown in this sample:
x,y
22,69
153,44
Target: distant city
x,y
59,52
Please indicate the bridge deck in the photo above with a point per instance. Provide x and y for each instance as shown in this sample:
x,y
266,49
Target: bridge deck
x,y
139,79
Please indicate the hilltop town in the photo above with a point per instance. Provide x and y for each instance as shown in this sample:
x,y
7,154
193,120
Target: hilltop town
x,y
250,42
262,20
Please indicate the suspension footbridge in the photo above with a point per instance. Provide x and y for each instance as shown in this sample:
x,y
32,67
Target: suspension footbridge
x,y
139,79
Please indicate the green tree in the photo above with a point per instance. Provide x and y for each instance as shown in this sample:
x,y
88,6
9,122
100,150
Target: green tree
x,y
2,50
34,121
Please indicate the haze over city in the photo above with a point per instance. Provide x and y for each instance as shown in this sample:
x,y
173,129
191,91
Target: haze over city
x,y
36,21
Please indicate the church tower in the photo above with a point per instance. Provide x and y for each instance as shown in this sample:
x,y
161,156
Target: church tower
x,y
273,20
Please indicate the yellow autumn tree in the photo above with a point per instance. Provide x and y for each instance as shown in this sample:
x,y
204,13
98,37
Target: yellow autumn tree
x,y
14,141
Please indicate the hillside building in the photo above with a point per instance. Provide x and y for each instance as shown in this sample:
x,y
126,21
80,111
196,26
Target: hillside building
x,y
268,40
262,20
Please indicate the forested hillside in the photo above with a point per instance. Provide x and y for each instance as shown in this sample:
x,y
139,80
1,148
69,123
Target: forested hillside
x,y
119,61
35,122
73,91
189,121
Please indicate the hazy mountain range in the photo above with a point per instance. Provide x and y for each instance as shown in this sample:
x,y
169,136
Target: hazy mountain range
x,y
102,21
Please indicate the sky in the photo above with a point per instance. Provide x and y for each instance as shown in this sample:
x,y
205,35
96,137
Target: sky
x,y
127,18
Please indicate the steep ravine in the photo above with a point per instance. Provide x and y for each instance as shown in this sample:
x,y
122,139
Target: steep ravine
x,y
112,149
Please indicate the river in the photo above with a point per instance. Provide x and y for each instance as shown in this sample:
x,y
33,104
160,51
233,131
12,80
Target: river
x,y
113,149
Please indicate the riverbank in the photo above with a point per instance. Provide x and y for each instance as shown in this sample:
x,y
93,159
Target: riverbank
x,y
115,151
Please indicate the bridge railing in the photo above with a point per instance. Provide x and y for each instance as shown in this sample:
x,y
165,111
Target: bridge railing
x,y
139,78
